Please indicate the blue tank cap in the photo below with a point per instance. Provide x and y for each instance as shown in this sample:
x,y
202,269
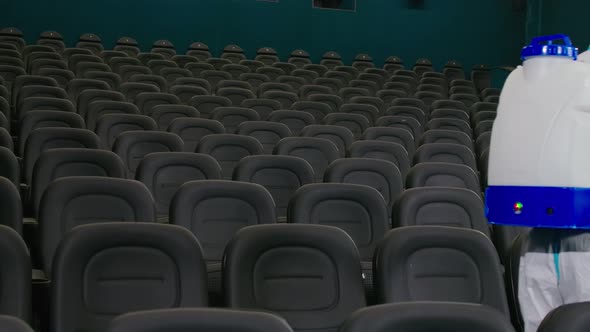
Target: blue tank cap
x,y
543,46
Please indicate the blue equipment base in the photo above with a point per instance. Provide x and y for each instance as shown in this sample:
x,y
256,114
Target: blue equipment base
x,y
545,207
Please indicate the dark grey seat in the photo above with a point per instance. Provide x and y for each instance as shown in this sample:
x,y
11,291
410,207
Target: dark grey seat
x,y
232,117
318,152
443,175
46,119
388,151
408,111
382,175
178,320
58,163
9,166
11,209
427,317
164,172
390,134
445,153
422,263
356,123
73,201
206,105
434,136
262,106
99,108
133,146
570,317
215,210
267,133
229,149
440,206
294,120
317,109
9,323
278,261
16,276
280,175
368,111
110,126
357,209
105,270
191,130
146,101
165,114
132,89
236,95
341,136
43,139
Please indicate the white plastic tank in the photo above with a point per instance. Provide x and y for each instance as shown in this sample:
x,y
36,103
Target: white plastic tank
x,y
539,162
585,56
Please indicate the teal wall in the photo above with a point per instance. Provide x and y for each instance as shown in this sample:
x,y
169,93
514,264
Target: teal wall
x,y
482,31
569,17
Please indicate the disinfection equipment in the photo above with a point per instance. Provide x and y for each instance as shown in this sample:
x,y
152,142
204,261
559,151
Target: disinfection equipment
x,y
539,163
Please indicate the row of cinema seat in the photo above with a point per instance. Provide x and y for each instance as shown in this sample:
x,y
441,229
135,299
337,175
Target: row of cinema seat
x,y
308,274
396,148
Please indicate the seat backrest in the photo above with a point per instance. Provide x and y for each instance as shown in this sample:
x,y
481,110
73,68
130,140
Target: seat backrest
x,y
165,114
132,89
110,126
164,172
434,136
91,95
158,82
270,267
46,119
445,153
440,206
105,270
16,276
215,210
207,104
280,175
443,175
43,139
388,151
228,149
382,175
318,152
318,109
262,106
73,201
422,263
232,117
57,163
99,108
357,209
146,101
285,98
9,166
391,134
10,323
191,130
11,210
427,317
133,146
342,137
206,319
295,120
267,133
570,317
356,123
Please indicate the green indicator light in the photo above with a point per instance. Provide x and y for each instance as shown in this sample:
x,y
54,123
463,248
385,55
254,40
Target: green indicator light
x,y
517,207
